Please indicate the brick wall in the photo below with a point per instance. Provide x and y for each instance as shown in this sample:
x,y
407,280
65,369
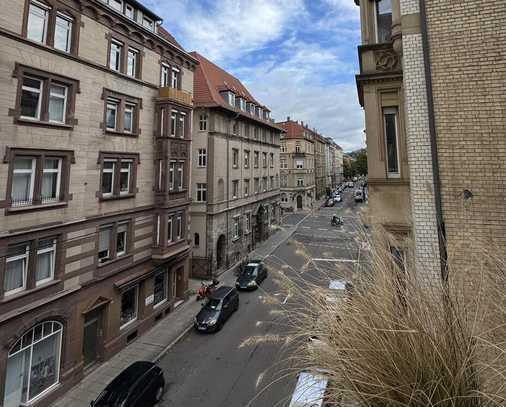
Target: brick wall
x,y
467,48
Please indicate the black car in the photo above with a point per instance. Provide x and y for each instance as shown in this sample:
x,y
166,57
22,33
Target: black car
x,y
217,309
251,276
140,385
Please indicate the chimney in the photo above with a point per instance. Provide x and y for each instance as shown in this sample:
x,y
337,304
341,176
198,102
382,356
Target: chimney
x,y
302,123
287,118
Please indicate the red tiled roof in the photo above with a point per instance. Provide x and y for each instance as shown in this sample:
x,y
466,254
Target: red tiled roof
x,y
209,79
162,32
294,129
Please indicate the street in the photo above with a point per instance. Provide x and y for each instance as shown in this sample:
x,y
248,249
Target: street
x,y
229,368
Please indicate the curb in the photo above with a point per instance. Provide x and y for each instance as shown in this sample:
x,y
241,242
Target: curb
x,y
164,351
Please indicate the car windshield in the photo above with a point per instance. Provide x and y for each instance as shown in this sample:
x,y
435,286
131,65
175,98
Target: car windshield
x,y
250,271
213,304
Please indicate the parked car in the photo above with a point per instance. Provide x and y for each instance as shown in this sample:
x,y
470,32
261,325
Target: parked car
x,y
359,195
310,390
220,305
140,385
251,276
337,198
329,202
350,184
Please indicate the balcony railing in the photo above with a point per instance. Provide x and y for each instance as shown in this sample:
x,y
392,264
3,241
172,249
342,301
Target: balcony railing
x,y
180,96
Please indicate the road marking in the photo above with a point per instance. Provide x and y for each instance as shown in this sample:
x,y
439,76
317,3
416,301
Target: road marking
x,y
326,230
337,260
286,299
306,227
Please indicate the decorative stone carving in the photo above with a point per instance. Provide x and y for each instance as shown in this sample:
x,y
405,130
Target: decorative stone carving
x,y
386,60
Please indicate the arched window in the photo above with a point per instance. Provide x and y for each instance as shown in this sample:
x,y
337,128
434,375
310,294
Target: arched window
x,y
33,364
196,240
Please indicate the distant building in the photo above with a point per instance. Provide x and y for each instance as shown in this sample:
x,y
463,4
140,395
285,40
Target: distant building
x,y
235,170
320,166
297,166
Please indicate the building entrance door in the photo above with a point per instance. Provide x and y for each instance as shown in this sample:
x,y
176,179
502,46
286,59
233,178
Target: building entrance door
x,y
92,336
299,201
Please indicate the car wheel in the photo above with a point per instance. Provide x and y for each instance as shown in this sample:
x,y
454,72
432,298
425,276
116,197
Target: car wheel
x,y
159,394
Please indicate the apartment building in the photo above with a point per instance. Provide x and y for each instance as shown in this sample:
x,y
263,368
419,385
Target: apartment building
x,y
298,189
433,98
337,174
235,170
94,186
320,166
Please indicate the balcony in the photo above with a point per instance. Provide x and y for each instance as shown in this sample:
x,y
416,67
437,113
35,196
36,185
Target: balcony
x,y
182,97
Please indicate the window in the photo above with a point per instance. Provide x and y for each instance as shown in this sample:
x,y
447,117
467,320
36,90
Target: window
x,y
300,182
57,103
115,56
235,229
132,62
246,187
112,241
173,123
202,157
16,269
33,364
255,133
242,104
257,185
182,121
201,192
31,98
383,20
392,143
196,240
283,163
63,32
203,122
121,114
235,158
165,75
38,15
271,160
256,157
264,183
46,256
247,223
284,198
148,23
264,160
235,129
176,173
129,11
174,82
179,227
160,289
169,229
298,148
117,175
158,225
231,98
235,189
272,182
37,177
299,164
246,159
284,180
128,306
116,5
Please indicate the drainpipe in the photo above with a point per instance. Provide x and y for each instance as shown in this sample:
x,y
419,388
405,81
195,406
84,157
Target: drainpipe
x,y
433,143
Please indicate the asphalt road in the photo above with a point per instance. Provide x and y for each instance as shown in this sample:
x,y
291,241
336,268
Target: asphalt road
x,y
231,368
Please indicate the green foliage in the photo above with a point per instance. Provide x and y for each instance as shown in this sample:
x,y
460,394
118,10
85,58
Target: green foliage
x,y
357,166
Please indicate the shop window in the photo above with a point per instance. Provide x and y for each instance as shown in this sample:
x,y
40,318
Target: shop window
x,y
160,290
129,305
33,364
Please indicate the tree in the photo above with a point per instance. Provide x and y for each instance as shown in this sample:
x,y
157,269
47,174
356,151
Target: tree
x,y
360,163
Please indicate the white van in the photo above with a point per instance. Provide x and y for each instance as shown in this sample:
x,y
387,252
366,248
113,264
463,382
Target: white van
x,y
310,390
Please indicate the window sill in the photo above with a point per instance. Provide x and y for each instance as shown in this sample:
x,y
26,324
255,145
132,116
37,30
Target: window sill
x,y
27,122
20,294
121,133
109,262
28,208
116,197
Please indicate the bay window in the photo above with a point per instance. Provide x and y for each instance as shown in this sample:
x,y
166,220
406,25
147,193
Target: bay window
x,y
383,20
173,123
203,122
169,229
176,175
391,142
179,227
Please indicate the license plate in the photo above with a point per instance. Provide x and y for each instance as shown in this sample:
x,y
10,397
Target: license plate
x,y
201,328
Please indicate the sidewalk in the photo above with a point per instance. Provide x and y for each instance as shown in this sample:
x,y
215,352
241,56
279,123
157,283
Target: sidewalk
x,y
158,340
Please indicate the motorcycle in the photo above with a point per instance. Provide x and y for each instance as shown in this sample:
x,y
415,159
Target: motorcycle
x,y
206,289
336,221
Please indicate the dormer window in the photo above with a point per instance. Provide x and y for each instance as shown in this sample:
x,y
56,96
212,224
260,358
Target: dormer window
x,y
116,5
383,20
260,112
231,98
129,11
242,104
148,23
252,108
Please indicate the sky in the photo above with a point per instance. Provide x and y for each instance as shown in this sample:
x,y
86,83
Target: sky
x,y
298,57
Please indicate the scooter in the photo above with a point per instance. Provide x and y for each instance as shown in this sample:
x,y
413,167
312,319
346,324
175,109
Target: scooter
x,y
336,221
206,289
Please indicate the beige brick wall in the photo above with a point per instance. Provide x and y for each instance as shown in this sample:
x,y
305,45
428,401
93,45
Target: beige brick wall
x,y
467,47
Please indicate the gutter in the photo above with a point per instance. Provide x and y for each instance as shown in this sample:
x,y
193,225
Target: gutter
x,y
443,255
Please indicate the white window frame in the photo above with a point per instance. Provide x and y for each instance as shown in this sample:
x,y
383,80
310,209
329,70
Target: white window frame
x,y
235,189
125,232
148,23
165,275
246,187
180,170
135,53
129,108
201,190
129,172
34,90
202,158
45,9
172,175
32,179
231,98
299,164
116,50
109,256
136,288
174,77
158,225
395,112
165,76
182,121
203,122
283,163
52,263
53,171
58,96
129,11
169,229
179,227
235,228
26,257
173,123
69,27
111,171
112,104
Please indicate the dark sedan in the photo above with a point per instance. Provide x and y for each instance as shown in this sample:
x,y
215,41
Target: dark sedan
x,y
251,276
220,305
140,385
